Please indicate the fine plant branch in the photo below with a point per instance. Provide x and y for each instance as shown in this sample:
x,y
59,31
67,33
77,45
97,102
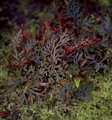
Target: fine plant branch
x,y
107,57
16,42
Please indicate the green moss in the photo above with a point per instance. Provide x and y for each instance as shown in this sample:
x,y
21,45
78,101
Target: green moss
x,y
3,76
104,2
100,108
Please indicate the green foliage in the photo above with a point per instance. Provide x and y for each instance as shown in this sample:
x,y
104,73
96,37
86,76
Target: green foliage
x,y
24,75
106,27
104,3
99,108
78,20
55,55
77,83
84,91
56,67
66,95
73,70
90,52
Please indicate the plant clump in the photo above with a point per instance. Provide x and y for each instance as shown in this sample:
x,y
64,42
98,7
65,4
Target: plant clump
x,y
59,61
